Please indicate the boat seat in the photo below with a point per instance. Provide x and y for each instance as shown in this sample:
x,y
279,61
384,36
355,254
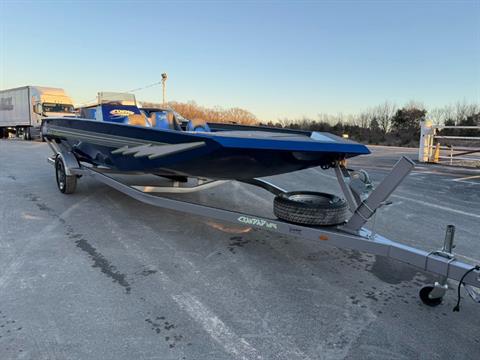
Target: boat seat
x,y
137,120
153,119
198,125
166,121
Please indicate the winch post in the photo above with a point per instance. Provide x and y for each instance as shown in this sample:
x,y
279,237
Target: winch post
x,y
381,193
449,237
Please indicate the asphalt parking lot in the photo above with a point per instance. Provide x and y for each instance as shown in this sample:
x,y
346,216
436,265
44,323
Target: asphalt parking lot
x,y
98,275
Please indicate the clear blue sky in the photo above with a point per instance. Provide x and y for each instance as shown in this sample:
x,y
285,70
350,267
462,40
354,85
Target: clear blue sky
x,y
277,59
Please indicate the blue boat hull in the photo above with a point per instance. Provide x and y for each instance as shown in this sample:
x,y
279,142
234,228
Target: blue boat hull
x,y
233,154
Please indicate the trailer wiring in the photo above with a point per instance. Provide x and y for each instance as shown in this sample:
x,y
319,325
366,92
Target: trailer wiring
x,y
459,298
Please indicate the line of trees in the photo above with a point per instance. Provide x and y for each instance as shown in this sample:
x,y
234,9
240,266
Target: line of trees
x,y
191,110
388,124
383,124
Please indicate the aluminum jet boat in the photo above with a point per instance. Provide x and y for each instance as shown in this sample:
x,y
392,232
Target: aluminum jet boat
x,y
118,135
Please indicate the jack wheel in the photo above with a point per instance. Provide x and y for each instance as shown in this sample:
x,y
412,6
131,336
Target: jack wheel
x,y
65,183
424,294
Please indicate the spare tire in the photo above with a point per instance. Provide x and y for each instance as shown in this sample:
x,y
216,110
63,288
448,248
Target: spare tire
x,y
310,208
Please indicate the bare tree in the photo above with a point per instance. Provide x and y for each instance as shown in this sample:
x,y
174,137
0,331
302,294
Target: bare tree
x,y
442,115
325,118
473,110
285,122
461,111
456,113
437,115
414,104
363,120
383,113
239,116
192,110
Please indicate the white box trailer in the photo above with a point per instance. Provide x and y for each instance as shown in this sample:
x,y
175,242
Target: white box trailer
x,y
22,109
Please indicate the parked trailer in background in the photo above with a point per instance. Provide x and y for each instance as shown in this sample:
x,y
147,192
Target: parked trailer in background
x,y
22,109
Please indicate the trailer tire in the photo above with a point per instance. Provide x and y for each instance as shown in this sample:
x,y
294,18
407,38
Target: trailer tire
x,y
2,133
310,208
65,183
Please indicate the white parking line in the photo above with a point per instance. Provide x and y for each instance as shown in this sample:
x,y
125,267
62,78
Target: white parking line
x,y
462,179
216,328
440,207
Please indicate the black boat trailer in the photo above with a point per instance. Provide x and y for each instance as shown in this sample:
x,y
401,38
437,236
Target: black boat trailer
x,y
362,200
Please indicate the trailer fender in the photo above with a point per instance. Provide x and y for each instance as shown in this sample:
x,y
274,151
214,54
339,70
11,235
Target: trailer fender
x,y
70,162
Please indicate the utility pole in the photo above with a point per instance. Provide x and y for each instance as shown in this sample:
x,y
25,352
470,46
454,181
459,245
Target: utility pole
x,y
164,86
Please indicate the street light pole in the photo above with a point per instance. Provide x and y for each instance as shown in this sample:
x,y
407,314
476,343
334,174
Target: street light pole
x,y
164,86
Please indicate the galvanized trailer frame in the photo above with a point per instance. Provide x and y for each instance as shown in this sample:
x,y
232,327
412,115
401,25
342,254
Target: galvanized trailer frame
x,y
363,203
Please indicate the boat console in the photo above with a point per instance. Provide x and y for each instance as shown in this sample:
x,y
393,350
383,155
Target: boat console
x,y
122,108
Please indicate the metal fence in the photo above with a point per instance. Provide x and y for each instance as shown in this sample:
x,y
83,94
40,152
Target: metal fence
x,y
452,150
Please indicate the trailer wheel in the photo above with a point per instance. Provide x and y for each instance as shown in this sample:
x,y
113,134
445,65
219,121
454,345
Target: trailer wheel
x,y
310,208
65,183
426,299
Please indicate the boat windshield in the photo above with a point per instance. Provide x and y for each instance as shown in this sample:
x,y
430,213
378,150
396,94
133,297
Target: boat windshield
x,y
114,98
58,108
